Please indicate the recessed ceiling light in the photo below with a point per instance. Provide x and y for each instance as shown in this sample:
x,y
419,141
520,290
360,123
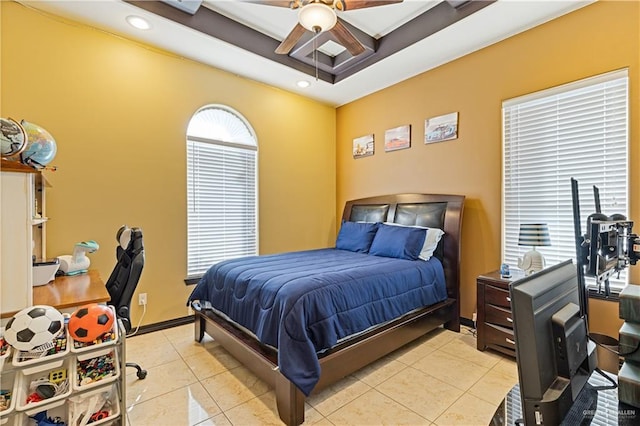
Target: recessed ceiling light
x,y
138,22
303,84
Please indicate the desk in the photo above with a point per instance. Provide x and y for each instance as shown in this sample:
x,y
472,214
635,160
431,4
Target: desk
x,y
69,292
72,291
591,407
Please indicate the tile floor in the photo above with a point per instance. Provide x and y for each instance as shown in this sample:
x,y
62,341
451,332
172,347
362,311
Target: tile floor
x,y
440,379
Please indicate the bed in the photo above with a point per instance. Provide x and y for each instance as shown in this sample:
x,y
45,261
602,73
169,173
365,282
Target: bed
x,y
311,358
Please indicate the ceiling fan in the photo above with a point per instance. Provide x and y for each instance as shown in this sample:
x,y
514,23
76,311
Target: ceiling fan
x,y
320,15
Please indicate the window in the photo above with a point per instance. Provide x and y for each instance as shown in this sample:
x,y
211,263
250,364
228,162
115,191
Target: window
x,y
221,188
577,130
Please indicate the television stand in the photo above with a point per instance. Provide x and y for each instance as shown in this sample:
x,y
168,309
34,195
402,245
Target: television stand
x,y
590,407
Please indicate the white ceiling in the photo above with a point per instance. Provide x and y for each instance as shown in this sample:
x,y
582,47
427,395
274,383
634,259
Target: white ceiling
x,y
491,24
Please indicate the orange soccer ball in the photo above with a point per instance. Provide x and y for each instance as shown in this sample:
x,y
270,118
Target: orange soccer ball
x,y
90,322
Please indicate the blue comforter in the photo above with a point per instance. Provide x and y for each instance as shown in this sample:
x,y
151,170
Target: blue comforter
x,y
304,302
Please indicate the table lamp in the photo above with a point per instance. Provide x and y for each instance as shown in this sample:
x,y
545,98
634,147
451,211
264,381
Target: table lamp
x,y
533,234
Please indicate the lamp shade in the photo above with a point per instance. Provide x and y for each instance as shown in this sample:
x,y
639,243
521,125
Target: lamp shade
x,y
534,234
317,17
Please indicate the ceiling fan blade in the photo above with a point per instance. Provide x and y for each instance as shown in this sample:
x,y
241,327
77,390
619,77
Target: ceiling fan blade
x,y
347,39
361,4
290,4
292,38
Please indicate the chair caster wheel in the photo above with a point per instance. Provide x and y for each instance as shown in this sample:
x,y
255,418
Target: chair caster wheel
x,y
141,374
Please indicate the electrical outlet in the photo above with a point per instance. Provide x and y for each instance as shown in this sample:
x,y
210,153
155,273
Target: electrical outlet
x,y
142,299
475,317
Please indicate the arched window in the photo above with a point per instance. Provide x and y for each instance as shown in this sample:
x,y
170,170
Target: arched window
x,y
221,188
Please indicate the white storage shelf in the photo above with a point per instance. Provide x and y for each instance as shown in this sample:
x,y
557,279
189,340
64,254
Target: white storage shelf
x,y
107,387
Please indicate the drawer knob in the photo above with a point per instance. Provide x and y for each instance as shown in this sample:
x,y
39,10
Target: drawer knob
x,y
509,341
508,299
509,319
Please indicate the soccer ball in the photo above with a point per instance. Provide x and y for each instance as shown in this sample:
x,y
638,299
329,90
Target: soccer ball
x,y
91,321
33,326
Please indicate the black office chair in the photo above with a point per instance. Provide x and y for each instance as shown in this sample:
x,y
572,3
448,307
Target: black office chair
x,y
124,279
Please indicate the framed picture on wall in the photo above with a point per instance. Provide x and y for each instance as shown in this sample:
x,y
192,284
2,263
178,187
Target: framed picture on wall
x,y
363,146
397,138
441,128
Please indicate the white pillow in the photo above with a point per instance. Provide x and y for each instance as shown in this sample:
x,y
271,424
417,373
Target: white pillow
x,y
431,240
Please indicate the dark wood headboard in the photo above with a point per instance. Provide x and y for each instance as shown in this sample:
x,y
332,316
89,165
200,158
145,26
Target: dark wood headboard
x,y
430,210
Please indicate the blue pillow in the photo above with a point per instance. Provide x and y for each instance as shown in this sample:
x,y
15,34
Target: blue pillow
x,y
356,236
398,241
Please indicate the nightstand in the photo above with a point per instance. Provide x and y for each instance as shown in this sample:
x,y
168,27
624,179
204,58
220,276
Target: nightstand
x,y
494,320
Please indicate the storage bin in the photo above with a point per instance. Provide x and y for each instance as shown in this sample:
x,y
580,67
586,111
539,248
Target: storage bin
x,y
96,368
108,339
61,368
54,410
8,420
62,346
79,404
5,350
8,389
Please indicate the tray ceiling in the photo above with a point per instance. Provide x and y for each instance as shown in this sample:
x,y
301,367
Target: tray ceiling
x,y
401,40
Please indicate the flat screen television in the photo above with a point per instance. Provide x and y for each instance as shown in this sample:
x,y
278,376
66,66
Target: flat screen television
x,y
554,354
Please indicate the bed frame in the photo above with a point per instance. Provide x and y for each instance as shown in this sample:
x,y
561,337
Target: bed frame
x,y
433,210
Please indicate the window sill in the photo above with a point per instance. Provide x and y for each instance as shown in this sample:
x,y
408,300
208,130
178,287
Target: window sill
x,y
192,280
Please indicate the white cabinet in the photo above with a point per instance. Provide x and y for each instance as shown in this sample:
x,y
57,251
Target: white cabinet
x,y
16,237
23,222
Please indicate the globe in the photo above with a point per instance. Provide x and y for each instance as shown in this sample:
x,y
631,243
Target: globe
x,y
41,147
13,137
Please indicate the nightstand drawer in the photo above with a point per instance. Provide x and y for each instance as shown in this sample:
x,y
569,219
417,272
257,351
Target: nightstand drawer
x,y
496,296
499,336
498,315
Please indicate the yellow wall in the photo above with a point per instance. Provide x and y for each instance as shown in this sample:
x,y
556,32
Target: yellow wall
x,y
119,111
598,38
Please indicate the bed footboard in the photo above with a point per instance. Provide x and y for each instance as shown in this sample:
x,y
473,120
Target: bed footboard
x,y
335,364
262,361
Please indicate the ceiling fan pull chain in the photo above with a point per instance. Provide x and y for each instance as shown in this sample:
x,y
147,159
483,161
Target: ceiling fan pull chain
x,y
315,53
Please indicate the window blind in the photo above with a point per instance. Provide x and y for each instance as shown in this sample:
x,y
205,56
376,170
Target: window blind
x,y
578,130
221,198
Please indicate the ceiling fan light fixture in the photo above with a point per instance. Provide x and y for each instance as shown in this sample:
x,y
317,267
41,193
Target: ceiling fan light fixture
x,y
317,17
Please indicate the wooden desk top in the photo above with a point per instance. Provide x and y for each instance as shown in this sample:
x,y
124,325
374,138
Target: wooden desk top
x,y
71,291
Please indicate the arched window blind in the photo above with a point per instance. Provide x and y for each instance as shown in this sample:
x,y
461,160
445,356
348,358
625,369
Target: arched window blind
x,y
577,130
221,188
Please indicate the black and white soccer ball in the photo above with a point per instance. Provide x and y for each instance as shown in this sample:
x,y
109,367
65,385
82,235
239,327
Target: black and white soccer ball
x,y
33,327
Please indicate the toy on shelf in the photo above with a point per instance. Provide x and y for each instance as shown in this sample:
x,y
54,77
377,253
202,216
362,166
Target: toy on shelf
x,y
5,399
94,407
78,262
43,420
33,326
41,146
42,384
90,322
92,370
